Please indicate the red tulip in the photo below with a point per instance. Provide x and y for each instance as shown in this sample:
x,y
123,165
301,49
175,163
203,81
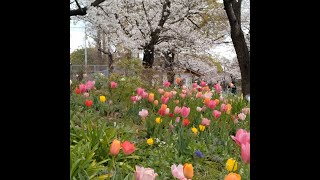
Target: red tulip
x,y
128,148
185,122
77,91
88,103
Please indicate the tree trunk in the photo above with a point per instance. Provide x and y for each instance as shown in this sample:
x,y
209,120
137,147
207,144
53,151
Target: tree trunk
x,y
148,56
169,59
233,10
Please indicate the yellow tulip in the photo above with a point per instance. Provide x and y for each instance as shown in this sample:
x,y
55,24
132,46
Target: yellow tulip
x,y
103,99
231,165
194,130
158,120
202,127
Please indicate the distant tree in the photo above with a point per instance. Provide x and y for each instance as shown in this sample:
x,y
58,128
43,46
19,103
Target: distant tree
x,y
77,57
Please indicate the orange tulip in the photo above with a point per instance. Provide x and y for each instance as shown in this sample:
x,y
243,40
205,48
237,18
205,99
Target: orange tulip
x,y
188,170
151,97
176,101
163,107
199,95
232,176
156,102
115,147
166,94
206,101
217,101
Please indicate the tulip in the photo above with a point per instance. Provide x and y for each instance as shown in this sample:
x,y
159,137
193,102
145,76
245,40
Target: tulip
x,y
211,104
205,122
145,173
185,111
177,110
113,85
151,97
86,94
177,172
102,99
127,147
242,116
199,109
216,113
161,91
115,147
242,137
232,176
188,170
88,103
185,122
143,113
245,153
156,102
218,88
202,127
231,165
166,84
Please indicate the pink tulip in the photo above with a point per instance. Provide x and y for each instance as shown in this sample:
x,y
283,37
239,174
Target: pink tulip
x,y
177,119
140,91
113,84
216,113
138,98
177,110
133,99
86,94
203,83
207,95
246,111
205,122
235,121
173,93
199,109
245,153
145,173
221,98
161,91
203,108
223,108
218,88
242,116
194,85
166,84
184,87
182,95
185,111
82,88
242,137
143,113
89,85
177,172
212,104
164,100
145,95
167,111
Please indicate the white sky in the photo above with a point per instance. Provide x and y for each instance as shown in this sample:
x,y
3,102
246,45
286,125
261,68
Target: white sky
x,y
77,36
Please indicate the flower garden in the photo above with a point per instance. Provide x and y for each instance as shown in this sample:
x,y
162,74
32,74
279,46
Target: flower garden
x,y
123,129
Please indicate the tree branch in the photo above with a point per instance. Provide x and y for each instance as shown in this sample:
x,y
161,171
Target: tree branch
x,y
147,17
193,22
83,11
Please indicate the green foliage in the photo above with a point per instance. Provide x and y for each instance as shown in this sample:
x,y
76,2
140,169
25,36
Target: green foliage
x,y
77,57
92,130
